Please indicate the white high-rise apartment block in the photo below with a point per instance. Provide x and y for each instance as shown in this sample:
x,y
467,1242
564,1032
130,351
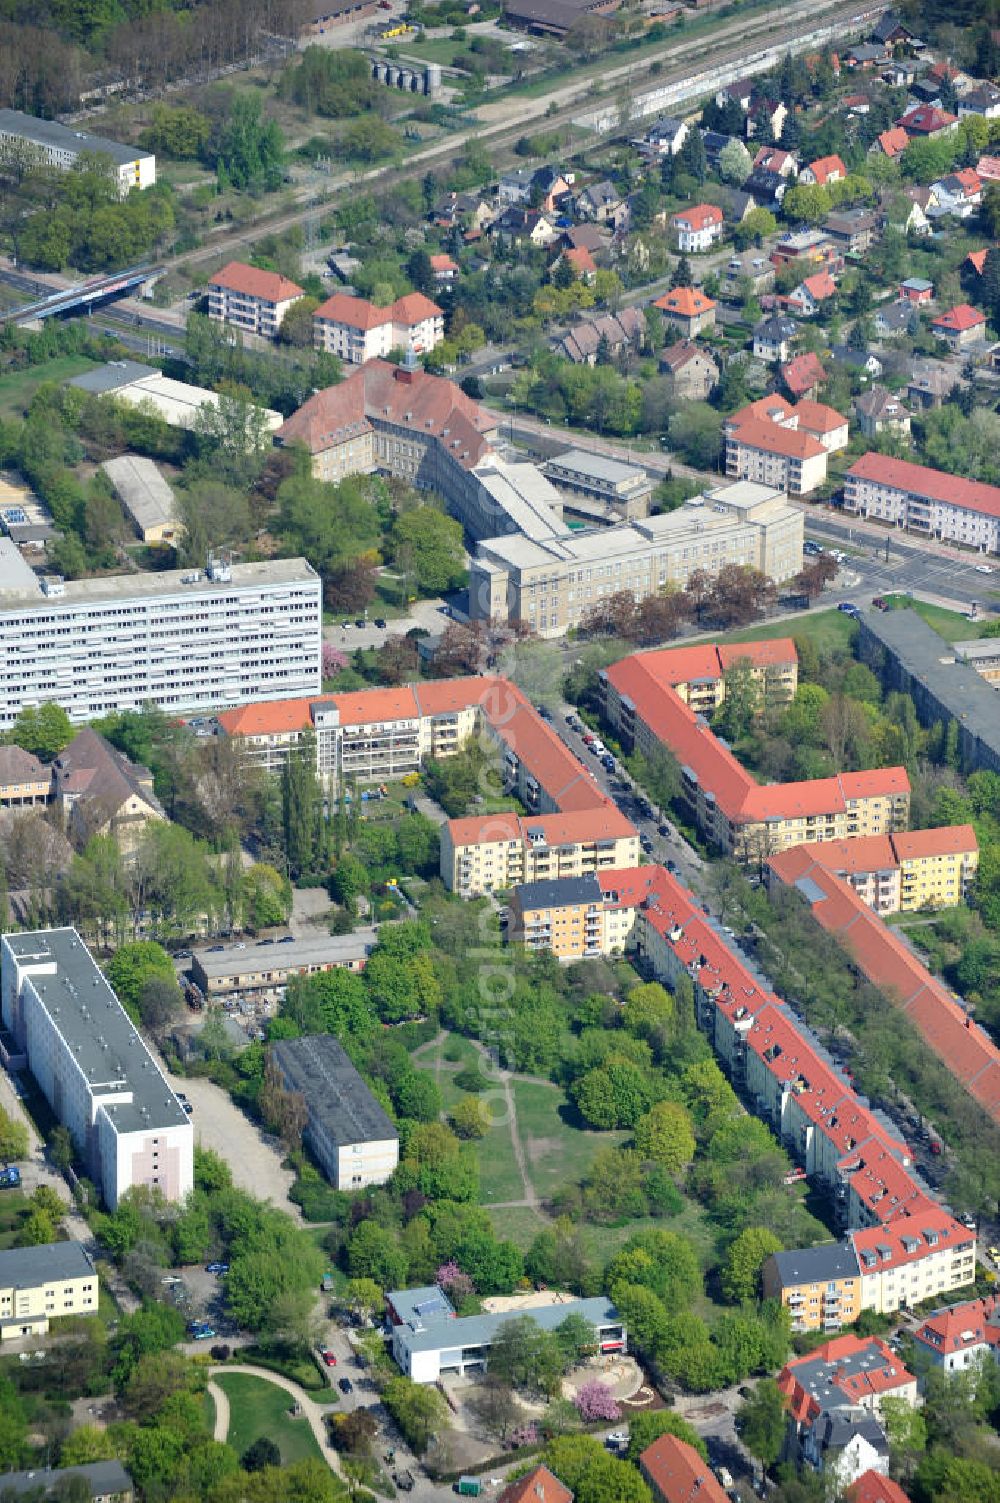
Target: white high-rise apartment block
x,y
182,639
92,1066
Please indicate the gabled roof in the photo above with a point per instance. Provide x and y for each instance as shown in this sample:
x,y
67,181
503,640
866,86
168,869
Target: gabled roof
x,y
935,485
926,119
698,217
773,158
802,373
819,286
537,1486
270,286
872,1487
826,167
95,770
676,356
678,1473
893,141
359,313
20,766
772,438
959,1327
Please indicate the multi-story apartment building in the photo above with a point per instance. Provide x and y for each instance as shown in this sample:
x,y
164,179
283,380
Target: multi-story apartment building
x,y
181,639
488,852
576,918
39,1283
784,444
253,300
698,228
958,1337
92,1066
850,1151
28,141
348,1132
903,872
947,1028
928,502
742,817
553,582
356,330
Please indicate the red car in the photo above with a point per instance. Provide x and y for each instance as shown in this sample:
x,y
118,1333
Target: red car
x,y
329,1357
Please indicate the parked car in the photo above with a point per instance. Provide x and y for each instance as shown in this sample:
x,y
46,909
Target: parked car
x,y
330,1358
380,624
345,1385
216,1267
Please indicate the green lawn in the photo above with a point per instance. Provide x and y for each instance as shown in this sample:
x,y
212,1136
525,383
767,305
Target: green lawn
x,y
952,625
13,1206
499,1177
558,1152
17,389
828,629
260,1408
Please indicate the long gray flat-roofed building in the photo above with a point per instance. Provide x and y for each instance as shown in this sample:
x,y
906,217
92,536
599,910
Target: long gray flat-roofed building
x,y
267,968
192,639
108,1481
349,1134
623,490
913,659
92,1066
47,143
429,1339
146,497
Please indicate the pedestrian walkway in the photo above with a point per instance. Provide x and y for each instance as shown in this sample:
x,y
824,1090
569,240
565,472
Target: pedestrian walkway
x,y
314,1413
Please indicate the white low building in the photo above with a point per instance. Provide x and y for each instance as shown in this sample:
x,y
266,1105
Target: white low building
x,y
429,1341
348,1133
32,142
39,1283
93,1068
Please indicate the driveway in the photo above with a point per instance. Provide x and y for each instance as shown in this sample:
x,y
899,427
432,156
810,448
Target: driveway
x,y
252,1155
427,614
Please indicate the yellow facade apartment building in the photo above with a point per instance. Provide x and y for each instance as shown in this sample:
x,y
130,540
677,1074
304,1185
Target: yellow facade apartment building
x,y
40,1283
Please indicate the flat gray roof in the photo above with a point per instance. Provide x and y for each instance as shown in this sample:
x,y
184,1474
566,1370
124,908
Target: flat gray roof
x,y
962,691
98,1031
336,1097
324,949
76,592
596,466
16,576
145,494
103,1477
64,138
28,1267
439,1330
110,377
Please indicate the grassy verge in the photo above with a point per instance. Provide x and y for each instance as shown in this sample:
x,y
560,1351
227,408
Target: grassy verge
x,y
952,625
258,1408
558,1151
13,1207
829,630
17,389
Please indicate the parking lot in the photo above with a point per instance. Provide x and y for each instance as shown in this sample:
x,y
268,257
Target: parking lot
x,y
253,1156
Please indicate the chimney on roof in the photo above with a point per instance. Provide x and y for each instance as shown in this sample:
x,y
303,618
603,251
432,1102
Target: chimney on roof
x,y
404,375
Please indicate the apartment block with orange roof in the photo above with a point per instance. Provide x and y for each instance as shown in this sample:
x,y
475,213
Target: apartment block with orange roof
x,y
356,330
675,1473
904,872
958,1337
688,309
742,817
253,300
490,852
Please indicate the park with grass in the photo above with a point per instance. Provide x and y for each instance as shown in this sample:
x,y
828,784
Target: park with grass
x,y
258,1408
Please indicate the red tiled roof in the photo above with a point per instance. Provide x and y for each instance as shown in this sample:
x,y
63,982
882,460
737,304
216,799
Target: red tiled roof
x,y
802,373
946,840
817,417
443,263
969,179
960,318
537,1486
977,259
872,1487
580,257
678,1474
600,822
359,313
888,963
772,158
935,485
894,141
270,286
881,1375
825,167
414,399
988,168
414,308
925,119
772,438
272,717
960,1327
698,217
820,285
686,301
906,1241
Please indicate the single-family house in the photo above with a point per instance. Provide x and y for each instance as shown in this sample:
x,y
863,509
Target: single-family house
x,y
915,205
688,309
890,31
958,1337
917,290
866,56
518,224
802,376
766,117
689,369
715,143
824,170
739,92
579,258
960,326
808,297
862,362
891,143
853,231
872,1487
982,99
773,337
960,193
445,270
736,204
879,410
601,203
988,168
592,237
698,228
930,384
622,331
895,319
747,268
927,121
664,137
776,159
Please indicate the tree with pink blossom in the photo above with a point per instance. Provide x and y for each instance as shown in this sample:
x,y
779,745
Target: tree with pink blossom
x,y
456,1284
334,661
595,1401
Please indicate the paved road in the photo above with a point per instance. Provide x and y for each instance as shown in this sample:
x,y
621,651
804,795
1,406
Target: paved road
x,y
427,614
